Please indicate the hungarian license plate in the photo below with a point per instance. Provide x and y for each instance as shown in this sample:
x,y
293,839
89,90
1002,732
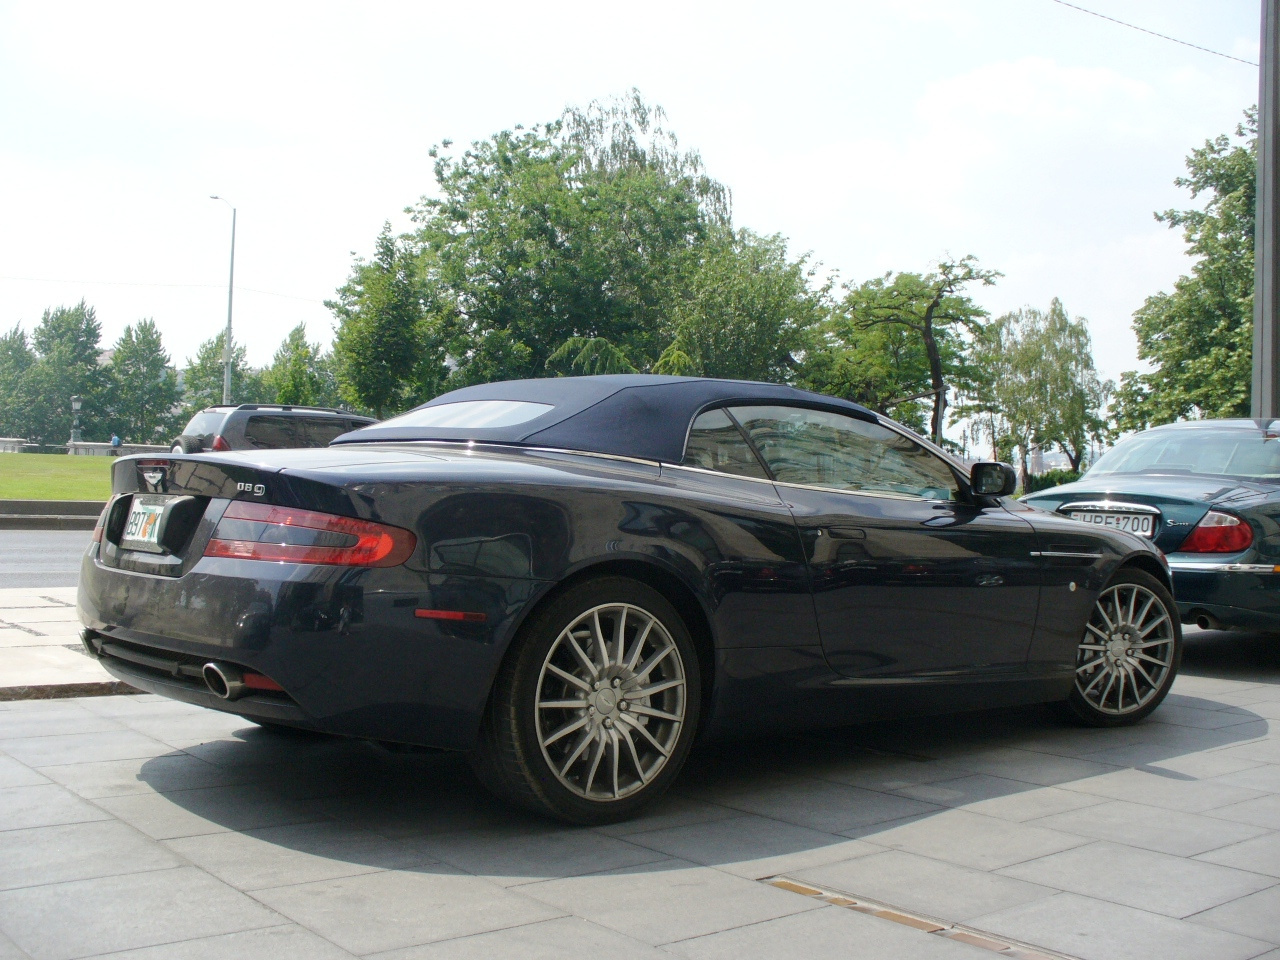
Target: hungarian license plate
x,y
142,528
1142,524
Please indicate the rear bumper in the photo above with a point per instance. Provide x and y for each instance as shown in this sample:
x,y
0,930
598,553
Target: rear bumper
x,y
343,643
1244,596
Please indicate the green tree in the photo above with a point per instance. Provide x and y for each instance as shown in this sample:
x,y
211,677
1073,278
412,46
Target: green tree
x,y
384,359
564,248
1033,383
203,377
749,313
296,374
143,391
16,357
1199,338
881,367
939,320
66,348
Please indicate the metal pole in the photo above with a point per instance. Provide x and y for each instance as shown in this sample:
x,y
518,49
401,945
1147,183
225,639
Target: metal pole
x,y
231,289
1265,402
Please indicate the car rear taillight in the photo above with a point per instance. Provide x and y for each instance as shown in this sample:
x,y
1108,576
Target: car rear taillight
x,y
219,444
1218,533
260,531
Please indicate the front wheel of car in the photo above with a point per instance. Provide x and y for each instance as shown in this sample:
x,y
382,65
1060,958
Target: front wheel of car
x,y
1129,654
595,709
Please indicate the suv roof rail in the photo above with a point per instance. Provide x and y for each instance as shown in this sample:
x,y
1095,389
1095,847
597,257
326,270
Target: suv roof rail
x,y
286,406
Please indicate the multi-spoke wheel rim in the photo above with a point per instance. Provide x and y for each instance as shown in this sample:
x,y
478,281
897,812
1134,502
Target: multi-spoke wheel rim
x,y
611,701
1127,650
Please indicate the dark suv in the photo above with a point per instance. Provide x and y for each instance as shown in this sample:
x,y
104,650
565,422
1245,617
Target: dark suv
x,y
259,426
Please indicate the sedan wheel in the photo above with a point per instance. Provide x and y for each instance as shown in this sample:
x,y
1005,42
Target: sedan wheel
x,y
595,709
1130,652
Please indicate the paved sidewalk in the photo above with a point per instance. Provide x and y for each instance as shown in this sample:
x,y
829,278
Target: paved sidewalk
x,y
40,651
145,829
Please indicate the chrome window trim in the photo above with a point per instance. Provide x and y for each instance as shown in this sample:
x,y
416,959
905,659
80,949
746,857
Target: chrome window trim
x,y
715,473
1110,506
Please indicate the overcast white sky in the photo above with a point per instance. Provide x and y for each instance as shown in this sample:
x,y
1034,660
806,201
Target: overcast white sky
x,y
877,135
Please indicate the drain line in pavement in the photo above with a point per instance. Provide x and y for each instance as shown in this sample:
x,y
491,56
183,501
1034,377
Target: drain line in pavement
x,y
952,931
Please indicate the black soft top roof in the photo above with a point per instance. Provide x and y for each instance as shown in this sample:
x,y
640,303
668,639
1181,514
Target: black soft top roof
x,y
628,415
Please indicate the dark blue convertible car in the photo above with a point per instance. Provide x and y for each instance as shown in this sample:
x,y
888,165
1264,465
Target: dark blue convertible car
x,y
573,578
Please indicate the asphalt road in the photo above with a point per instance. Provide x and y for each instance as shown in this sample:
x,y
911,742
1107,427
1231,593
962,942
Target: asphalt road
x,y
41,558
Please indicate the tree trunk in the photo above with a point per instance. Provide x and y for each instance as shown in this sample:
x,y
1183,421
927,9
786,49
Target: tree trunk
x,y
935,369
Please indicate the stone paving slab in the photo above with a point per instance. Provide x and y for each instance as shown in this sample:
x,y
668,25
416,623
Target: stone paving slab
x,y
143,828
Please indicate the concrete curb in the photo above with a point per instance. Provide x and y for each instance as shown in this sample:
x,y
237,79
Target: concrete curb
x,y
49,514
57,691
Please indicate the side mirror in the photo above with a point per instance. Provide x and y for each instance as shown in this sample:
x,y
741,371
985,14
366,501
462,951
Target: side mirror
x,y
993,479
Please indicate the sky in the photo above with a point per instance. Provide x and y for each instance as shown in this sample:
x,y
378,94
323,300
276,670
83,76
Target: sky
x,y
875,135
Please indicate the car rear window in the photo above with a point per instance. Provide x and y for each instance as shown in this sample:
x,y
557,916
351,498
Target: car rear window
x,y
204,424
471,414
1230,453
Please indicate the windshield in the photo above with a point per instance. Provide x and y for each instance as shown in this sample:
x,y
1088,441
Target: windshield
x,y
1228,453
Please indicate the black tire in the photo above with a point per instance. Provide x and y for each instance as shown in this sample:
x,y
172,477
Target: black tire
x,y
1134,636
531,761
187,445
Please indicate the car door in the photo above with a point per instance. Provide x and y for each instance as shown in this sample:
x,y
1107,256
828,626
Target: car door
x,y
910,578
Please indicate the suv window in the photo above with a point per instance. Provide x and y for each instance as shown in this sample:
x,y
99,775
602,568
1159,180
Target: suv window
x,y
320,431
822,449
268,432
715,443
205,424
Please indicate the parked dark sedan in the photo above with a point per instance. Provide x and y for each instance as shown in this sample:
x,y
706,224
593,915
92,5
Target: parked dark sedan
x,y
572,578
1207,492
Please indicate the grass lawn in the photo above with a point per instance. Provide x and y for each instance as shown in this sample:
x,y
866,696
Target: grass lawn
x,y
54,476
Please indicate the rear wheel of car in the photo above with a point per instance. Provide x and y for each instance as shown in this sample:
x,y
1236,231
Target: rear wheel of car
x,y
1129,654
187,445
594,710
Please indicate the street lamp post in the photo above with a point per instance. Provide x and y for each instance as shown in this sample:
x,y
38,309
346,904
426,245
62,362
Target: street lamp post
x,y
75,419
1266,291
231,287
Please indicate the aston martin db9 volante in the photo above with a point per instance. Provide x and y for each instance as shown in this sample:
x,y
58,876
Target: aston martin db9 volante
x,y
573,578
1207,492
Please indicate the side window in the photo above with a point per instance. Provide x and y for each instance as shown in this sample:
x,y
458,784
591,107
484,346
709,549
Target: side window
x,y
320,431
270,433
715,444
824,449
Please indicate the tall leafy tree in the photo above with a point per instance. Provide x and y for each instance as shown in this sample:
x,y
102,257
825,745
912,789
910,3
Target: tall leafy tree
x,y
296,374
66,345
143,395
16,357
748,313
1199,337
381,353
939,320
202,379
564,248
1034,384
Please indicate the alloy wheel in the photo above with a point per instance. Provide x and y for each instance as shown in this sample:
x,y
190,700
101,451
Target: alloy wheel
x,y
611,701
1127,651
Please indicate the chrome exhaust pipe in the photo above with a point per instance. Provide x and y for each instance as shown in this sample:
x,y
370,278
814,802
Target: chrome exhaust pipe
x,y
1206,622
224,681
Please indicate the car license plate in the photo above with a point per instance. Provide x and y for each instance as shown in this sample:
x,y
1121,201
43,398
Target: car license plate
x,y
1142,524
142,528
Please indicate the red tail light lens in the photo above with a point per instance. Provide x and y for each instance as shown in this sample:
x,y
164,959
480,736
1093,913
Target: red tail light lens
x,y
1218,533
260,531
219,444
